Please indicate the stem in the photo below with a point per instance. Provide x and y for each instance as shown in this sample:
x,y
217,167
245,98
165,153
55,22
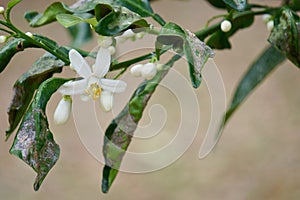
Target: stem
x,y
202,34
7,31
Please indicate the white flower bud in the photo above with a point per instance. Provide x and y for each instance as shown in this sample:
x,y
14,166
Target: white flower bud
x,y
112,50
140,35
128,34
29,34
149,71
226,26
270,25
159,66
105,41
136,70
3,38
107,100
266,18
2,9
63,110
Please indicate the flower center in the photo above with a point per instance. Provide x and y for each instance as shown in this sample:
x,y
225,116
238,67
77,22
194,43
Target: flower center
x,y
94,91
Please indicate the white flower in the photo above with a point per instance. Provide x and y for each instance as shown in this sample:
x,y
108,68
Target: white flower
x,y
136,70
3,38
270,25
2,9
226,26
29,34
63,110
149,71
93,84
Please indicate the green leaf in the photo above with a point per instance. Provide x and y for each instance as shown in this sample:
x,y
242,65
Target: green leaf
x,y
217,3
34,143
68,20
285,35
196,51
10,6
239,5
10,49
54,46
141,7
81,34
257,72
26,85
35,19
219,40
119,21
119,133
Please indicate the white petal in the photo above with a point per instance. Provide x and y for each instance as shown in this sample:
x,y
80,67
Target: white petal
x,y
73,87
85,97
63,110
115,86
79,64
102,62
107,100
136,70
149,71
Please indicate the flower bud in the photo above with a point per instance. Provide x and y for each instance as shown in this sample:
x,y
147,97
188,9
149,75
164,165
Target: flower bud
x,y
105,41
136,70
266,18
159,66
149,71
270,25
3,38
63,110
107,100
128,34
112,50
226,26
29,34
2,10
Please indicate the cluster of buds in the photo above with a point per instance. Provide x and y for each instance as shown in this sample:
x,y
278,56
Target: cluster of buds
x,y
147,71
268,19
107,42
130,35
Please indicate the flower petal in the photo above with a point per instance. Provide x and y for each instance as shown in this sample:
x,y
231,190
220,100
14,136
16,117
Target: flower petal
x,y
73,87
79,64
107,100
115,86
102,63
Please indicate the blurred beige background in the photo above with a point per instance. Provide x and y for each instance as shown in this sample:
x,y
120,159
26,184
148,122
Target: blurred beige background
x,y
256,158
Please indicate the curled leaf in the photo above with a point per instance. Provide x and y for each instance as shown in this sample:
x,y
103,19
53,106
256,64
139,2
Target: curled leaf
x,y
34,143
26,85
285,35
10,49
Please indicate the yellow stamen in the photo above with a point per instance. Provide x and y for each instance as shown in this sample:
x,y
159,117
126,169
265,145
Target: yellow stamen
x,y
94,91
